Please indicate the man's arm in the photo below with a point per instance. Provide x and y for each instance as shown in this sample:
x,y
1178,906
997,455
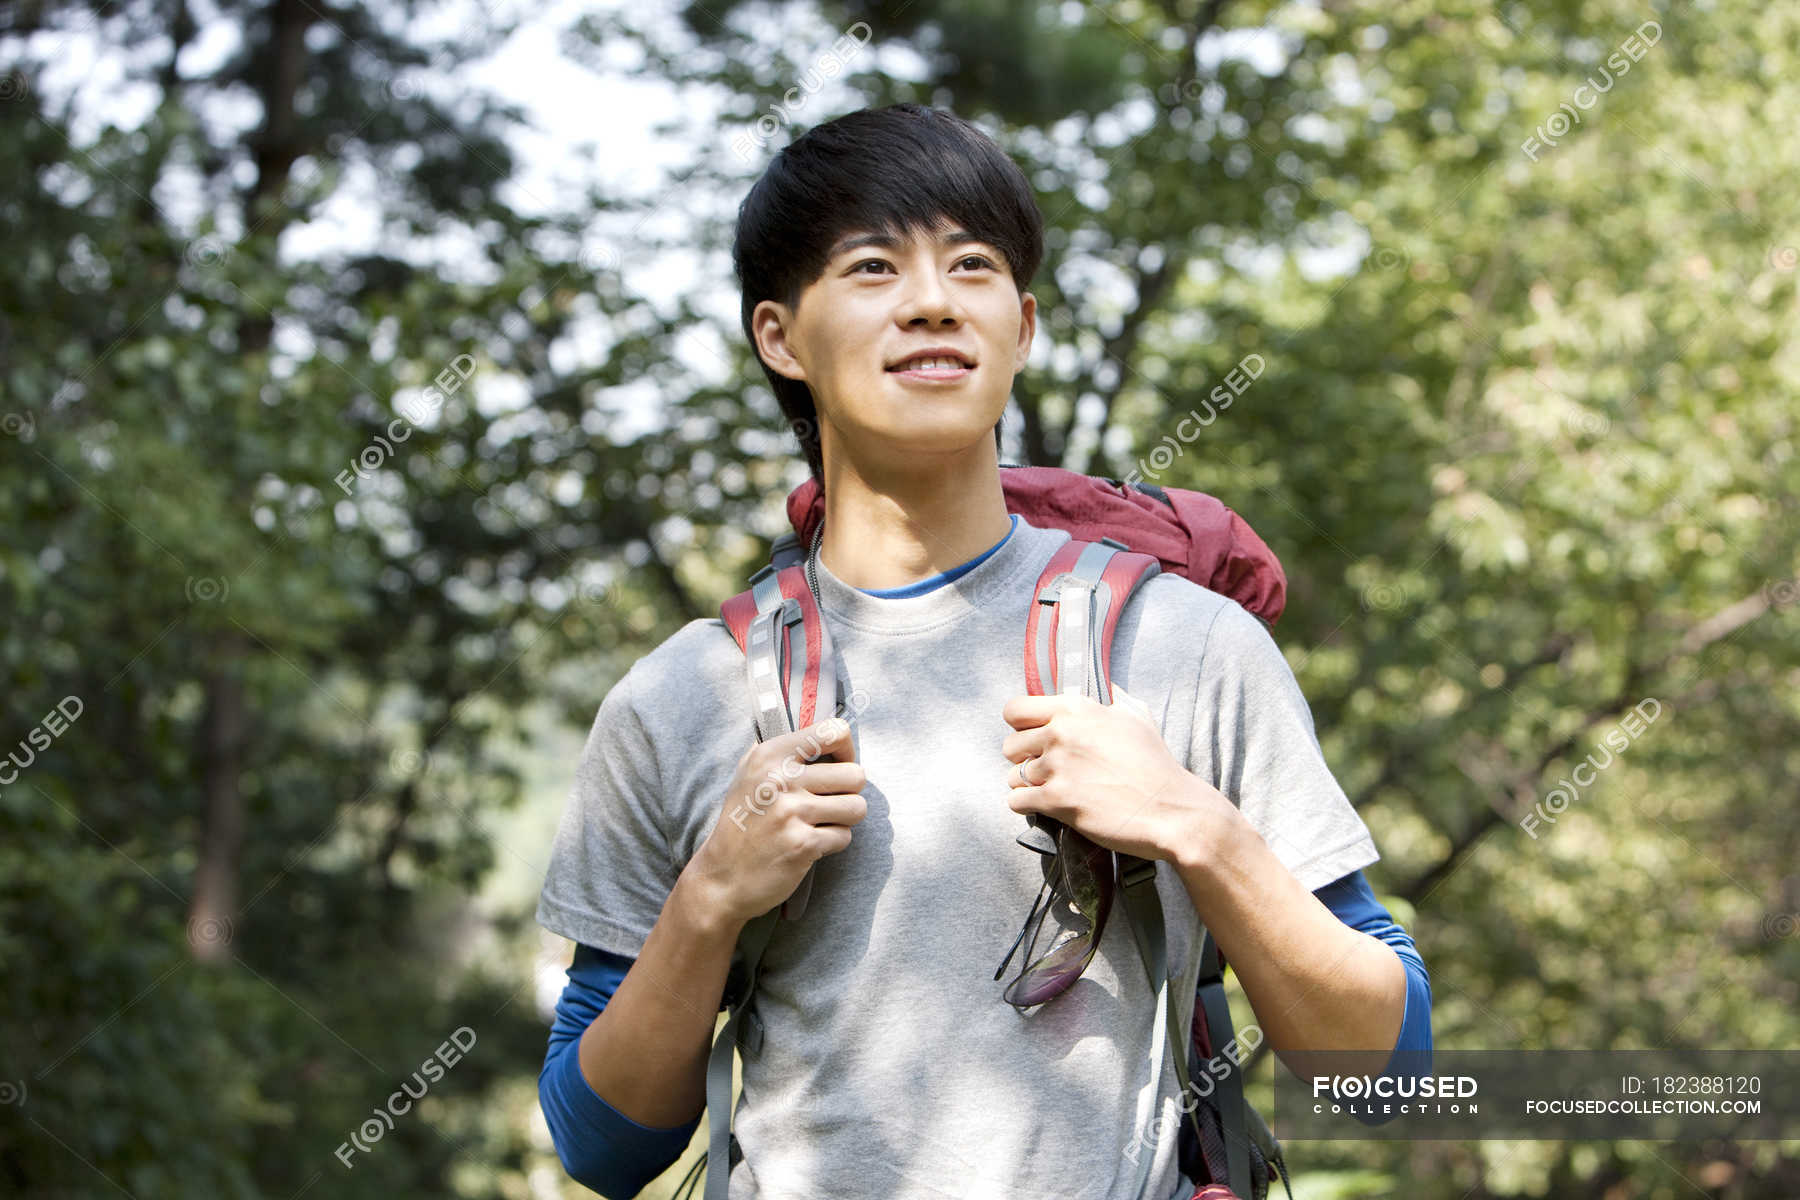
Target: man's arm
x,y
600,1147
643,1053
646,1052
1353,902
1104,769
1315,983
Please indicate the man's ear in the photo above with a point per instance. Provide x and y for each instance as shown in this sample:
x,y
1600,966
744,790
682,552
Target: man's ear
x,y
1027,329
770,321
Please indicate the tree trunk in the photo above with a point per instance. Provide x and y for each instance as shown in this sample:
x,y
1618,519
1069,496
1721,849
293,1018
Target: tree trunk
x,y
214,905
275,147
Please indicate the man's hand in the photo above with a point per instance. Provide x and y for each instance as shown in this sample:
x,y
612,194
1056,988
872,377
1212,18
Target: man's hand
x,y
782,813
1105,771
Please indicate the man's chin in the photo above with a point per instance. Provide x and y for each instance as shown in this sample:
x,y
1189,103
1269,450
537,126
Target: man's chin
x,y
931,446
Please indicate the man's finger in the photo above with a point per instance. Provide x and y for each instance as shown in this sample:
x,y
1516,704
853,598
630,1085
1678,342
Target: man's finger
x,y
827,739
1027,743
832,777
1027,711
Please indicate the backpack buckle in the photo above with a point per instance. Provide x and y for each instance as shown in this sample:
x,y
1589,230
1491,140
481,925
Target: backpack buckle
x,y
1139,870
785,551
750,1033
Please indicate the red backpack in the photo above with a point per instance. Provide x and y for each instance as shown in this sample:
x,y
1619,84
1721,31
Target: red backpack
x,y
1119,536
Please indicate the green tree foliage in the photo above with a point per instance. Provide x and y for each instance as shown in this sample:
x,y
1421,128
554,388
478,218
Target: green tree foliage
x,y
1519,421
295,594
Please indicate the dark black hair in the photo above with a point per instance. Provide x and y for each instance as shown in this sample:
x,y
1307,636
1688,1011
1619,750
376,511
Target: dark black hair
x,y
897,170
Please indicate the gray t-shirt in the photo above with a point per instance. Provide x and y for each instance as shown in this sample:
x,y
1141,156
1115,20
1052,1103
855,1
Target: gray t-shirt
x,y
890,1064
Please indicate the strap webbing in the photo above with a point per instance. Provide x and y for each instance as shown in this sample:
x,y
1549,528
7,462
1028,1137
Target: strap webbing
x,y
1230,1092
1144,909
794,676
751,943
1143,906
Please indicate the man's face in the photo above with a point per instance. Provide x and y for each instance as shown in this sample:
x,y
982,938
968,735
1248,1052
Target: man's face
x,y
857,329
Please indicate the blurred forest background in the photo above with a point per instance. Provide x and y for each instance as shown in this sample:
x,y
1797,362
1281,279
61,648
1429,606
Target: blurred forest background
x,y
318,549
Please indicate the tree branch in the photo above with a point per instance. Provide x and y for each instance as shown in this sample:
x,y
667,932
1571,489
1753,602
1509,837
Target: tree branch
x,y
1152,286
1521,786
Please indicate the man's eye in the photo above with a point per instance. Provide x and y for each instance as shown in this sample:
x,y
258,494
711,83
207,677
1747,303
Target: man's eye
x,y
978,259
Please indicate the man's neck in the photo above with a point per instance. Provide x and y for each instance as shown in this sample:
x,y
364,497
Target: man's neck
x,y
904,526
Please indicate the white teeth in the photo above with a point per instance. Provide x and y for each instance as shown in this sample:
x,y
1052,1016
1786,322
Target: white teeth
x,y
926,364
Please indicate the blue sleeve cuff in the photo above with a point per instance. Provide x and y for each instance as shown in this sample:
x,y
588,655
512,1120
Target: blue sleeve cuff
x,y
600,1147
1354,903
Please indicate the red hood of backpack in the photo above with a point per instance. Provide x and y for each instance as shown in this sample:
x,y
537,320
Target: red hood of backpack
x,y
1198,537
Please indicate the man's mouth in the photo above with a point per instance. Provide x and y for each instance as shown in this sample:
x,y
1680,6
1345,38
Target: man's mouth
x,y
937,366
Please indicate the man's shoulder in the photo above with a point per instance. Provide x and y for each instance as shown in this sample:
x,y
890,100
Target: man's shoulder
x,y
698,662
695,643
1173,606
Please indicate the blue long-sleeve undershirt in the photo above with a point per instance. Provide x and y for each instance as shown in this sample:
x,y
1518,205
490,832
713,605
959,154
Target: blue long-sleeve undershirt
x,y
606,1151
1354,903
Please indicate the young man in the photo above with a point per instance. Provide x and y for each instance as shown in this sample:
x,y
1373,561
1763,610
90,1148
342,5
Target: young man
x,y
884,258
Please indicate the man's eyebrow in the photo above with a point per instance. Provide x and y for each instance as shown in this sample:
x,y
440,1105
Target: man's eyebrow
x,y
888,241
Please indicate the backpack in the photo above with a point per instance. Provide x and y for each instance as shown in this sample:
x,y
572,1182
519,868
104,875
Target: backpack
x,y
1120,536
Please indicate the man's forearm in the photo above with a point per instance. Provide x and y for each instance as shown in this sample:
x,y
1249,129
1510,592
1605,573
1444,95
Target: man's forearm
x,y
645,1054
1315,983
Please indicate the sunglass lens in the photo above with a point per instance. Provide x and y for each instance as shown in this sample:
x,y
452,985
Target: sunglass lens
x,y
1084,878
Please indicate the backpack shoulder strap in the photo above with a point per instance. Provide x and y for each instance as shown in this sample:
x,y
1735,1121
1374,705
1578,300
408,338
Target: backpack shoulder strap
x,y
793,680
789,666
777,626
1085,587
743,1028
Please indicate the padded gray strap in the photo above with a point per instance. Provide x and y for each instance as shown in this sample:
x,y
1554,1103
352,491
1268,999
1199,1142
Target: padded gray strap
x,y
1230,1093
764,642
742,986
1080,616
1144,909
774,645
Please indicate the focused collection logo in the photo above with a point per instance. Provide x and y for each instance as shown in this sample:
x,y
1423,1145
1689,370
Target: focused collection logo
x,y
1386,1095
